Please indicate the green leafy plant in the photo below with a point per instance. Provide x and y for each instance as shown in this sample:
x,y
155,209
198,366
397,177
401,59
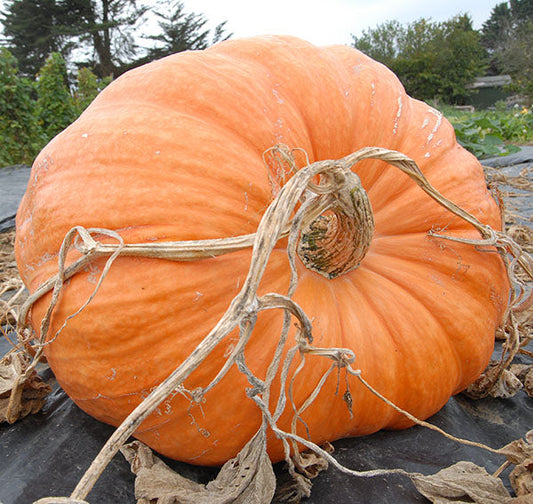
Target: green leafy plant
x,y
492,132
88,88
55,105
32,112
433,60
20,135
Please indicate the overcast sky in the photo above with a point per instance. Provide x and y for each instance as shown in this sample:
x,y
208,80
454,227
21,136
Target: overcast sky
x,y
325,22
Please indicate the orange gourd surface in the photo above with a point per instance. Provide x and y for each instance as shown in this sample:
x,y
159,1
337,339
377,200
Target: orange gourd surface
x,y
173,151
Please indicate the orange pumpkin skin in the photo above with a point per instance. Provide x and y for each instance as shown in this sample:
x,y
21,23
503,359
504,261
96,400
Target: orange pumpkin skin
x,y
173,151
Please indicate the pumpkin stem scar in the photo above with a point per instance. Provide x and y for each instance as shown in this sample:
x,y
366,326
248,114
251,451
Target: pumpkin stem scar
x,y
337,240
325,213
335,219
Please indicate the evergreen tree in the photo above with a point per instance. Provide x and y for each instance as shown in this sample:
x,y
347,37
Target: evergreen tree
x,y
498,27
30,31
55,107
34,29
181,31
108,27
508,37
102,32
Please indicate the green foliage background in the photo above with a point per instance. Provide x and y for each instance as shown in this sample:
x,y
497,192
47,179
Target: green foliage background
x,y
33,112
489,133
434,61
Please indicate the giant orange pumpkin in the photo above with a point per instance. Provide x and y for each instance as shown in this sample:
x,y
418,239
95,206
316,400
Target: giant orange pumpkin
x,y
174,151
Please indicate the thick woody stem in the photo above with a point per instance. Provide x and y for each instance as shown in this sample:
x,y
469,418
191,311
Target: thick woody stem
x,y
336,241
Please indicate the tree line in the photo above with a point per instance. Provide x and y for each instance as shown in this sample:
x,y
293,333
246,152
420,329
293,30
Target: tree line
x,y
101,34
57,55
438,60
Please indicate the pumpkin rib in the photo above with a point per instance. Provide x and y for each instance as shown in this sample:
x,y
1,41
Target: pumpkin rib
x,y
388,414
414,296
219,78
406,280
399,217
412,391
364,335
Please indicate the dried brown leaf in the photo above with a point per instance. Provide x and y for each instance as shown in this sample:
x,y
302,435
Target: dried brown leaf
x,y
522,235
519,450
246,479
524,372
522,478
292,488
520,370
310,464
19,397
528,382
520,453
507,385
462,482
494,382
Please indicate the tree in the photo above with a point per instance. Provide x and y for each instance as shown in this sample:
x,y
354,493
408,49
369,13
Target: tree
x,y
433,60
20,135
460,57
55,107
87,89
508,37
497,28
101,31
515,58
30,31
180,31
34,29
382,43
109,26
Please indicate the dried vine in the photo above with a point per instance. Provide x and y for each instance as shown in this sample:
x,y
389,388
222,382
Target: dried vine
x,y
298,210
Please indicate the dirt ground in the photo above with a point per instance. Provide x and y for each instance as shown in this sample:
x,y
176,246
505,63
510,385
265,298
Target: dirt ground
x,y
8,267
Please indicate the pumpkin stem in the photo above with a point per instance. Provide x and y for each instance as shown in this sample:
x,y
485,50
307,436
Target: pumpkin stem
x,y
335,222
336,241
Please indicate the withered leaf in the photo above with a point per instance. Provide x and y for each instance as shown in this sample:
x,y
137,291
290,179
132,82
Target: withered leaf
x,y
528,383
494,382
524,372
246,479
520,370
292,486
519,450
462,482
311,464
522,478
19,398
520,453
